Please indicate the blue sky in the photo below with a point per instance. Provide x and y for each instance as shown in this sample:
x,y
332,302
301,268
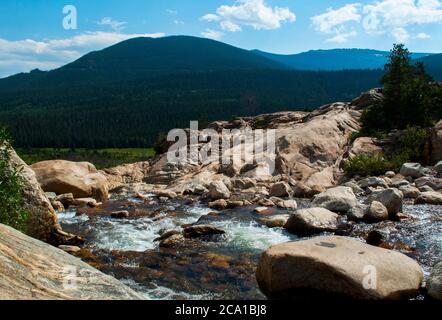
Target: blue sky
x,y
32,34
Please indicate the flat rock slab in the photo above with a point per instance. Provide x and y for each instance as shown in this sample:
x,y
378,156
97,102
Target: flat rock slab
x,y
337,267
33,270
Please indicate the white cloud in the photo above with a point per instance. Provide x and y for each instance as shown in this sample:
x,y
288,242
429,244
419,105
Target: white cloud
x,y
230,26
342,37
210,17
212,34
172,12
423,36
253,13
392,14
401,35
334,20
395,17
114,24
28,54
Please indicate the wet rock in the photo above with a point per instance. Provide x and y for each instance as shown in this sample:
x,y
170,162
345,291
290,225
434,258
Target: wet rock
x,y
33,270
434,198
57,205
218,190
373,182
375,238
391,198
280,189
198,231
338,199
410,192
262,210
173,241
167,234
81,179
85,202
219,204
337,267
231,204
66,199
277,221
123,214
51,195
434,282
376,212
166,194
310,221
413,170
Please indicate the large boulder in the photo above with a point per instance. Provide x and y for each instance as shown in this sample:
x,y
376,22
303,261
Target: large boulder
x,y
337,267
280,189
391,198
434,282
436,143
339,199
33,270
310,221
413,170
79,178
431,197
43,222
218,190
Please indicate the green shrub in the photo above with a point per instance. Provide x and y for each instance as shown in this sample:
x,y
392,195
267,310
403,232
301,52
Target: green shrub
x,y
11,189
363,165
412,143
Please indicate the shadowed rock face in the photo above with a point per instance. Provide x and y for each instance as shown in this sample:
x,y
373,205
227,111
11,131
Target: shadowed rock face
x,y
43,222
33,270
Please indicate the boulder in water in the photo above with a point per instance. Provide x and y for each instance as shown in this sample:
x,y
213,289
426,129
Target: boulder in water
x,y
338,199
337,267
310,221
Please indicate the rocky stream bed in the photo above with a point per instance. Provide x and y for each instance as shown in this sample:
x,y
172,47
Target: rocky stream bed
x,y
222,267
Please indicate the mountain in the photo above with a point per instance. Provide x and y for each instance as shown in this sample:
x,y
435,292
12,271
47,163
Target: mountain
x,y
335,59
142,58
433,65
130,93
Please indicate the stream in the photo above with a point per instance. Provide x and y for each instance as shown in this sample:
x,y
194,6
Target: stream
x,y
221,269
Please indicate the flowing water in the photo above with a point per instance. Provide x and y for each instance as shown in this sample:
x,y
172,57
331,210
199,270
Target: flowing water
x,y
223,268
